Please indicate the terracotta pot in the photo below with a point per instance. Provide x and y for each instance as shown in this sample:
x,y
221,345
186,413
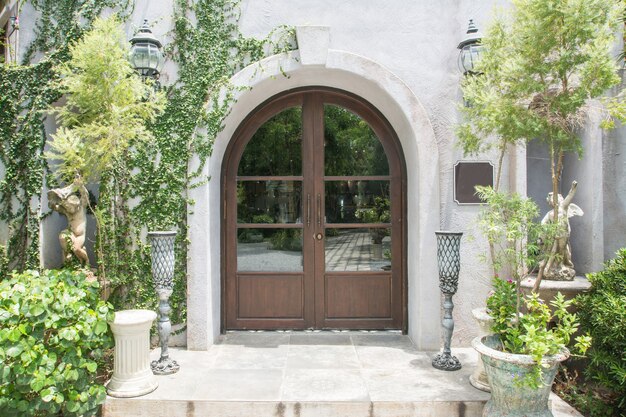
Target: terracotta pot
x,y
509,399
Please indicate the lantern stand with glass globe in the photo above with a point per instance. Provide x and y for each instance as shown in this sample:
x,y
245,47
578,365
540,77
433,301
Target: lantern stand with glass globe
x,y
163,259
449,261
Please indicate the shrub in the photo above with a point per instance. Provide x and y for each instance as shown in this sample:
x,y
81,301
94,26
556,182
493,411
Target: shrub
x,y
287,239
602,313
53,334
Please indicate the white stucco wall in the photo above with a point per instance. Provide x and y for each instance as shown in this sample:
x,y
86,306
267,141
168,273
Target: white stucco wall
x,y
614,186
402,57
414,42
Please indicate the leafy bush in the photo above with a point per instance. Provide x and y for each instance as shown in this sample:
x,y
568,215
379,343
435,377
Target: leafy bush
x,y
287,239
53,334
602,313
262,218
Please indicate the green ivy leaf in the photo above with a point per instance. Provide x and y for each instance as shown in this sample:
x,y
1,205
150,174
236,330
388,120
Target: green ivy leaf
x,y
91,366
14,351
37,384
101,327
47,395
72,406
6,372
14,335
36,310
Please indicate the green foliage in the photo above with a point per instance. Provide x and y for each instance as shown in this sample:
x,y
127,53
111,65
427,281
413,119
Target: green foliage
x,y
581,395
380,212
603,314
262,218
508,222
208,49
350,145
537,72
107,104
287,239
105,113
530,333
53,335
28,90
283,131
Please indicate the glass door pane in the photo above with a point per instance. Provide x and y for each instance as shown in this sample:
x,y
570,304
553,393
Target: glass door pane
x,y
358,249
271,201
269,192
276,147
264,249
350,145
357,201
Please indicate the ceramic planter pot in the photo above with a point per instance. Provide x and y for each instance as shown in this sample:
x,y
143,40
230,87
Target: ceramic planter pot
x,y
508,399
478,379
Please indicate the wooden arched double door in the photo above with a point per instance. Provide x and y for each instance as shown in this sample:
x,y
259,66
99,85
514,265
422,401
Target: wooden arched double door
x,y
313,232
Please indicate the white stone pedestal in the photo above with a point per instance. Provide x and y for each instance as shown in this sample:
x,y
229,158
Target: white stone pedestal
x,y
478,379
132,375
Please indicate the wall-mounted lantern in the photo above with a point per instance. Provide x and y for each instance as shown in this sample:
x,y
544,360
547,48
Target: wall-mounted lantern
x,y
145,54
470,49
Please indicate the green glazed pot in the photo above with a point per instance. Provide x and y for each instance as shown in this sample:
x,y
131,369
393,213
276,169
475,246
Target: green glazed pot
x,y
507,398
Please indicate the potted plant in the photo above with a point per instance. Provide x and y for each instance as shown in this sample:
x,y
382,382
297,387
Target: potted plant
x,y
521,358
507,222
380,212
529,338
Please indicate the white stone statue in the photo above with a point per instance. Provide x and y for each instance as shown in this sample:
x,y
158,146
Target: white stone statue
x,y
559,265
72,201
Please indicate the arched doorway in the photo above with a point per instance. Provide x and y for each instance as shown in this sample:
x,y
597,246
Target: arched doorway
x,y
313,185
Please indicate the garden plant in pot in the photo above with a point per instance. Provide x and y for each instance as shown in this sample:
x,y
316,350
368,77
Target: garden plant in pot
x,y
529,337
541,63
522,357
379,212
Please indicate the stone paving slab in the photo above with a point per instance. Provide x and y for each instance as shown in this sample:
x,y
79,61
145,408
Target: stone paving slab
x,y
316,374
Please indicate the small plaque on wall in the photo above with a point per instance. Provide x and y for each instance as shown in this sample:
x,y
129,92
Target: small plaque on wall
x,y
469,174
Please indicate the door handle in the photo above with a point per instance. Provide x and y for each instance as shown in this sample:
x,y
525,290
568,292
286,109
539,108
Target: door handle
x,y
319,210
308,210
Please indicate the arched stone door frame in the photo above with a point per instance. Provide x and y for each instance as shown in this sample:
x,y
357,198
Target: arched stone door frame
x,y
315,64
392,305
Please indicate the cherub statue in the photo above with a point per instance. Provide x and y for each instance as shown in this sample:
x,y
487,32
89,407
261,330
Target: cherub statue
x,y
72,202
558,265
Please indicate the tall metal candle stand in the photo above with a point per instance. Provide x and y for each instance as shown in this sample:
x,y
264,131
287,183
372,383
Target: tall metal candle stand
x,y
449,260
162,253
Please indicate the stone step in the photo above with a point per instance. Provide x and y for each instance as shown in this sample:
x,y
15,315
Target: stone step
x,y
199,408
301,374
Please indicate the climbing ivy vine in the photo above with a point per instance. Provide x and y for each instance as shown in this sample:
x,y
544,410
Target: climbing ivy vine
x,y
208,49
28,91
